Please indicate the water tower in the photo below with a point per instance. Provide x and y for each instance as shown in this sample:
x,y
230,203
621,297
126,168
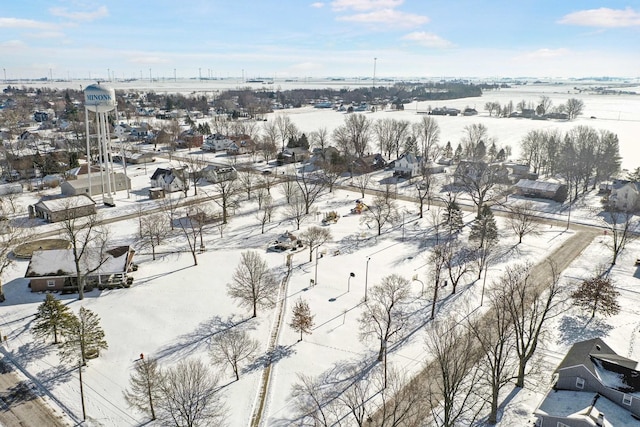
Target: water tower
x,y
100,100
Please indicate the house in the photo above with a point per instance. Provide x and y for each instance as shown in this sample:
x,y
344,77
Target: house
x,y
470,112
541,189
293,155
190,138
369,163
479,171
408,166
136,158
518,171
444,111
170,180
216,142
122,131
213,174
60,209
625,195
320,156
73,187
55,270
41,116
83,170
433,168
10,188
241,145
593,386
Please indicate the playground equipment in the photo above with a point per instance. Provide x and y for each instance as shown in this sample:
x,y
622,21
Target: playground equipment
x,y
359,208
330,217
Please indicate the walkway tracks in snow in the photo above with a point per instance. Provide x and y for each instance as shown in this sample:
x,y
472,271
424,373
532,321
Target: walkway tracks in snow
x,y
262,398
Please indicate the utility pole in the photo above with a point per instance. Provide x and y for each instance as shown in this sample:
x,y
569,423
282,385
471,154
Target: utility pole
x,y
366,279
374,72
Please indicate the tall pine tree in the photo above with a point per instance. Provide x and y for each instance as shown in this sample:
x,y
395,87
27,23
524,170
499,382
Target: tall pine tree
x,y
83,337
452,217
51,315
484,229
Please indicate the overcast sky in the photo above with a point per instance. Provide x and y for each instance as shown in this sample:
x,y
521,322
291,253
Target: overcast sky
x,y
299,38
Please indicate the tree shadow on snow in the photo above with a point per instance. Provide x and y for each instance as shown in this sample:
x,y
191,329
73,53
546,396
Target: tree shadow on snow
x,y
581,328
199,338
56,375
270,357
34,350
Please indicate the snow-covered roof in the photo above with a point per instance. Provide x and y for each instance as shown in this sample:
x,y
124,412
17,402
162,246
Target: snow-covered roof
x,y
63,203
60,262
538,185
575,405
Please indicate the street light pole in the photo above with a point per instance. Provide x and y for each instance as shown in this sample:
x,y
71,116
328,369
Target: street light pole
x,y
366,279
349,281
315,280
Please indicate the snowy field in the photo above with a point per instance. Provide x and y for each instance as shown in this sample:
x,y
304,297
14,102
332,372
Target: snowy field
x,y
174,308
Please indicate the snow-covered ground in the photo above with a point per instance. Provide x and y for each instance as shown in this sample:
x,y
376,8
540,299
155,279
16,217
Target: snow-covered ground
x,y
174,308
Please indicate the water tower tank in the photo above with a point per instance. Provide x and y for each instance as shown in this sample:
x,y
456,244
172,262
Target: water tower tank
x,y
99,99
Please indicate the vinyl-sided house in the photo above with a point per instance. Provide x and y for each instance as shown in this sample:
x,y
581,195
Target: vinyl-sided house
x,y
594,386
213,174
60,209
55,270
170,180
408,166
625,195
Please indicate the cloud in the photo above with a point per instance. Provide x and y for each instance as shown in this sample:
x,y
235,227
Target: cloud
x,y
545,54
150,60
362,5
25,23
317,5
46,35
428,39
603,18
387,17
13,44
100,12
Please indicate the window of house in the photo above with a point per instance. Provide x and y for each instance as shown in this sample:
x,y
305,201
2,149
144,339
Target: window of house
x,y
51,283
562,424
580,383
626,399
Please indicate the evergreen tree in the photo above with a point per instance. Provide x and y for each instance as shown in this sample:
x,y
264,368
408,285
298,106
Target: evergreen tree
x,y
452,217
484,229
52,314
597,293
144,388
458,153
83,337
501,156
480,151
448,150
302,320
70,109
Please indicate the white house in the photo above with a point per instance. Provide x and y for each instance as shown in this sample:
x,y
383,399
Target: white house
x,y
214,174
625,196
170,180
408,166
122,131
216,142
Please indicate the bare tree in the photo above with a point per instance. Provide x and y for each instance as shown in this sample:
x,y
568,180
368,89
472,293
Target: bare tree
x,y
267,182
169,206
319,138
385,312
315,237
452,391
424,192
286,128
520,217
381,212
247,180
153,231
190,230
402,400
252,283
265,210
356,396
495,338
193,165
331,173
296,209
14,232
478,180
83,337
314,401
353,136
574,107
144,386
620,226
190,397
361,182
427,134
458,260
529,306
311,186
302,320
437,262
597,294
233,346
88,241
228,191
288,185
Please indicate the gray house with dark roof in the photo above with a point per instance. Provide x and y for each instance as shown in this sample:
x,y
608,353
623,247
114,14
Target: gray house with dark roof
x,y
541,189
592,370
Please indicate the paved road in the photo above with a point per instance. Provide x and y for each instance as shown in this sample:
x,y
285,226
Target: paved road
x,y
20,405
